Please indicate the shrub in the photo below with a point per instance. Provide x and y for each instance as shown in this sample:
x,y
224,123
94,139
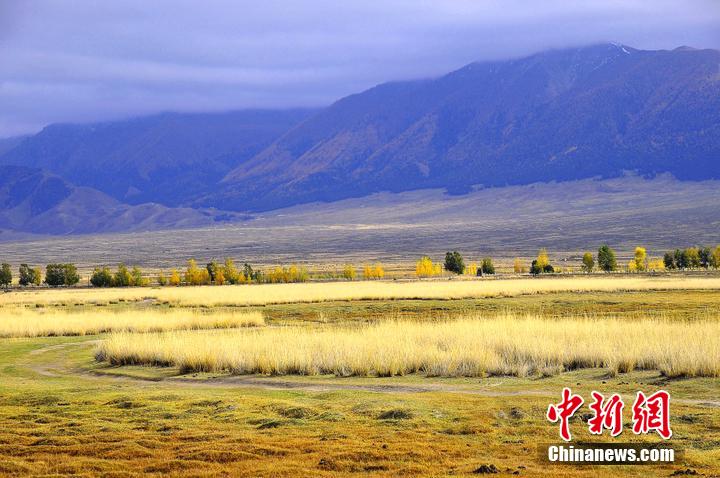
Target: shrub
x,y
454,262
101,277
606,259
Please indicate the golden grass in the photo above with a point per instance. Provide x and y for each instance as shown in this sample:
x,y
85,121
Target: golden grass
x,y
35,323
318,292
466,347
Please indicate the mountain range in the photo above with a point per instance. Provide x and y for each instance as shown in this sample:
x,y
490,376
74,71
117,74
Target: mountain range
x,y
596,111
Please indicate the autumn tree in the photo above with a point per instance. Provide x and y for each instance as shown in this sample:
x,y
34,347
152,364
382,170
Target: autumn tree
x,y
716,258
606,259
161,279
137,279
349,272
640,259
194,275
424,267
542,260
487,266
692,255
122,276
656,265
588,262
454,262
212,268
5,275
472,269
232,275
517,266
174,279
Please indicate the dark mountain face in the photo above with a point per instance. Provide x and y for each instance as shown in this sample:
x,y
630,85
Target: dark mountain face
x,y
165,158
559,115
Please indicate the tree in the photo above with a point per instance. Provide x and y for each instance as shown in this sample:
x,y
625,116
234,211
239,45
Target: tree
x,y
61,274
71,274
249,273
656,265
517,266
716,258
349,272
161,279
681,259
424,267
471,270
28,275
535,269
174,279
487,266
122,277
669,261
693,257
588,262
212,268
454,262
101,277
374,271
542,259
5,275
606,258
230,272
136,278
194,275
640,259
705,257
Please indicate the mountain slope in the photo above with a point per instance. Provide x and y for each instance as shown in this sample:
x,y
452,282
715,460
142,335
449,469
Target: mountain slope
x,y
164,158
32,200
558,115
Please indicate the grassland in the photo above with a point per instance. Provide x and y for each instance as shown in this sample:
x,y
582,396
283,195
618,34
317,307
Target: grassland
x,y
468,347
21,322
264,294
64,413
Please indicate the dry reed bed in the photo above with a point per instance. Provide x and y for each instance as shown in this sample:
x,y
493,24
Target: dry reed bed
x,y
469,347
36,323
317,292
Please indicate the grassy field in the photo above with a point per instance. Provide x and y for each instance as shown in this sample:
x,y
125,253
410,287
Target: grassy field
x,y
264,294
62,412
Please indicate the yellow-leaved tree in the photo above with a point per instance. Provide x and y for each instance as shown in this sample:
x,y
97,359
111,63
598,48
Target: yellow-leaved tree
x,y
424,267
174,277
472,269
640,259
517,266
349,272
542,259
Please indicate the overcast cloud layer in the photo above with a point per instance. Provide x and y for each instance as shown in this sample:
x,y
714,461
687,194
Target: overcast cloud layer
x,y
81,61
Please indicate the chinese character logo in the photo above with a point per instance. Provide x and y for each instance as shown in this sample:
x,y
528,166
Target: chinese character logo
x,y
564,410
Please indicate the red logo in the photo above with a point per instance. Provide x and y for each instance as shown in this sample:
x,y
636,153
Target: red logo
x,y
649,413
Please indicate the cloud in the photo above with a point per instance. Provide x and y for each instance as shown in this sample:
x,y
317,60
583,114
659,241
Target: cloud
x,y
86,60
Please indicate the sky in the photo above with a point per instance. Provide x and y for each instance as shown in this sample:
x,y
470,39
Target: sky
x,y
84,61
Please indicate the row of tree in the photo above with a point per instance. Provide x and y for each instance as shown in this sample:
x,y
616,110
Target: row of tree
x,y
55,275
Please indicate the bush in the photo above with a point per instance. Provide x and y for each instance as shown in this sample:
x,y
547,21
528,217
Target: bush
x,y
101,277
375,271
454,262
122,277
